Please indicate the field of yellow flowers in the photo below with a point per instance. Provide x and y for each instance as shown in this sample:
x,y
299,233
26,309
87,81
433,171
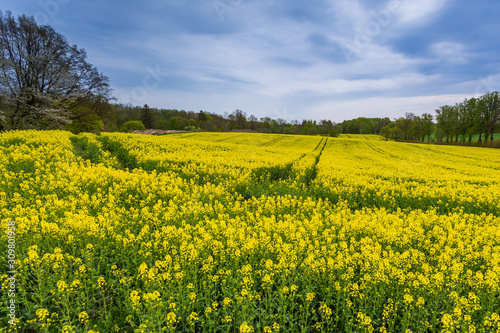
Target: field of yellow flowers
x,y
243,232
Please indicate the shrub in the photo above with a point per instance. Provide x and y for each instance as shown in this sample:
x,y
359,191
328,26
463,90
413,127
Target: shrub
x,y
133,125
192,128
334,133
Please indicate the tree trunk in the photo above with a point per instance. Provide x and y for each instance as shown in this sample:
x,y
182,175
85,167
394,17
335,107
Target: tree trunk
x,y
480,137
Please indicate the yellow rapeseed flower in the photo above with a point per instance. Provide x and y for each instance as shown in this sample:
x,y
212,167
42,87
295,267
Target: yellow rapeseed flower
x,y
42,314
246,328
83,316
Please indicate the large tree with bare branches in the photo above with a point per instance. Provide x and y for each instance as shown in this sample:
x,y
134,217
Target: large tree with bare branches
x,y
42,77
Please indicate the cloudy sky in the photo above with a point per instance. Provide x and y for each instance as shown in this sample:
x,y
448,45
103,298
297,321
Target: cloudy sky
x,y
318,59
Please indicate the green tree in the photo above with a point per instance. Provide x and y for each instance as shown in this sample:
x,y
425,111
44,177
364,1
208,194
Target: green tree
x,y
275,127
427,125
491,113
305,130
281,124
206,121
481,117
178,123
409,126
397,133
468,118
334,133
91,115
415,130
84,120
447,122
381,123
386,132
239,119
147,117
265,124
253,122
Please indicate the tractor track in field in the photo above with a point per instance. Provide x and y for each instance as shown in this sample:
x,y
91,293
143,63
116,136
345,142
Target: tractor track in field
x,y
319,144
448,154
273,141
314,173
383,152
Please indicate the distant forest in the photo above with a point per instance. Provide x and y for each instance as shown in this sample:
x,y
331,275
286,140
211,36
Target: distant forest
x,y
475,119
238,120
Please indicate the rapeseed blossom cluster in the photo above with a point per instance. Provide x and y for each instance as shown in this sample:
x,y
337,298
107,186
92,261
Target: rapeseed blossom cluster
x,y
249,233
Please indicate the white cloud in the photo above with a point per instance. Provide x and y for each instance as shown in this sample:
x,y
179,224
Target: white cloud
x,y
450,52
392,107
243,69
350,12
479,86
411,11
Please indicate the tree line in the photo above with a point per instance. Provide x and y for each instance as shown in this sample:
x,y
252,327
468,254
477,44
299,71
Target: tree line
x,y
472,117
238,120
409,128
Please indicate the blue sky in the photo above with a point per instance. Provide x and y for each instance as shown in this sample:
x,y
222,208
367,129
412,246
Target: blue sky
x,y
285,59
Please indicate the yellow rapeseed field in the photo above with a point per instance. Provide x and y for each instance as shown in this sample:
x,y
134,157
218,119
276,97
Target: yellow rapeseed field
x,y
242,232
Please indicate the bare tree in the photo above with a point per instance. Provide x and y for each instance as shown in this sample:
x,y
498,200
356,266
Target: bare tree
x,y
252,120
42,76
281,123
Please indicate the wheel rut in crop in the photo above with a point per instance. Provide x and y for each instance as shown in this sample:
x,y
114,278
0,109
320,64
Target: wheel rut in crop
x,y
310,177
122,155
86,149
273,141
